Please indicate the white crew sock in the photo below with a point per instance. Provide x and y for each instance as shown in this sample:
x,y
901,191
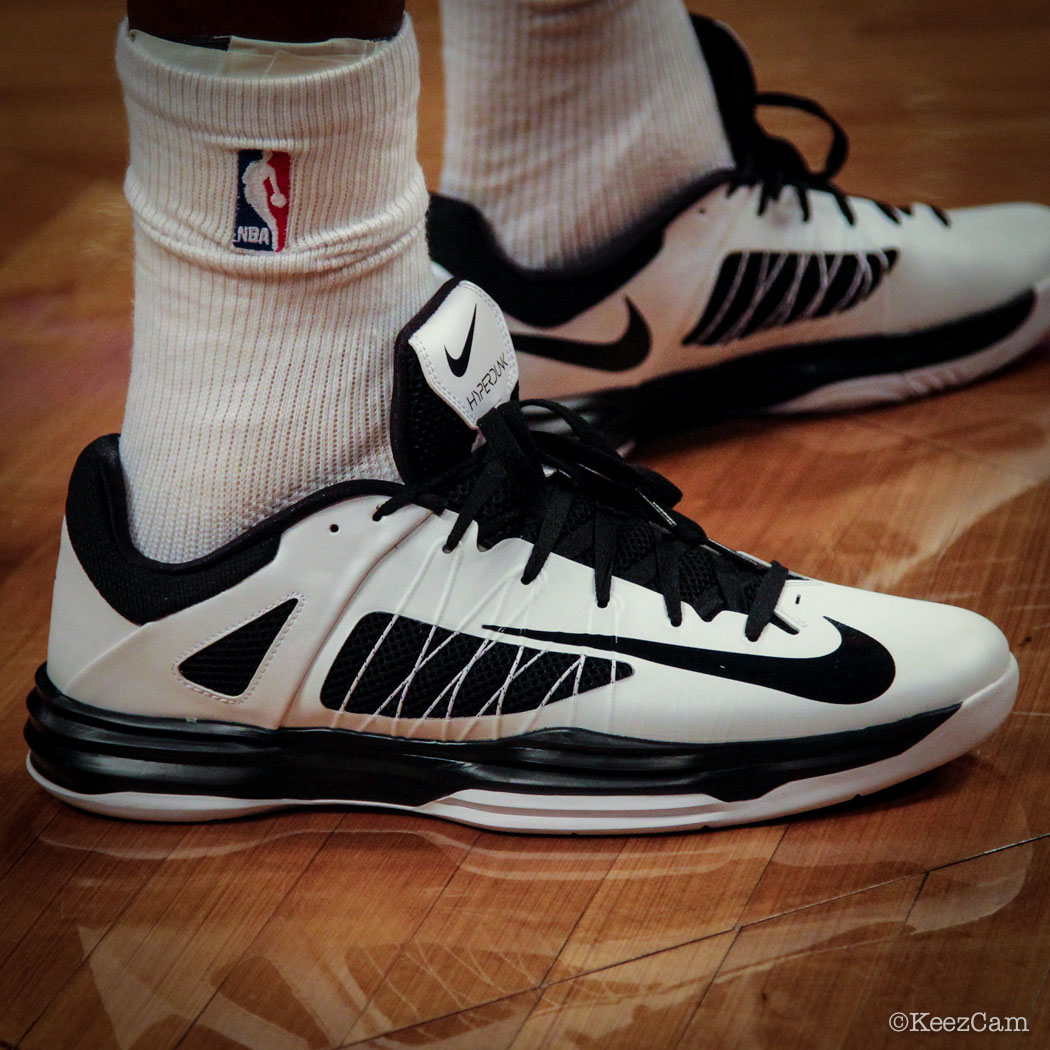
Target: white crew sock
x,y
568,120
259,376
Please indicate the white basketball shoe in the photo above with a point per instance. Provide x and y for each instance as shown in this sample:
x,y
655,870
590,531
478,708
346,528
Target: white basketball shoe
x,y
524,635
765,287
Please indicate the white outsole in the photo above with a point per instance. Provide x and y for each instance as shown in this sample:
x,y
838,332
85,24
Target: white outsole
x,y
867,391
608,814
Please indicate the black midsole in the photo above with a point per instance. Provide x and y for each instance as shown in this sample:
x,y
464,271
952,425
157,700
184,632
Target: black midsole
x,y
92,751
770,377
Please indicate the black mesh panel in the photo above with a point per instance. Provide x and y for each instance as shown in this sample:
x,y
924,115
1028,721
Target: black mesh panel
x,y
394,665
228,665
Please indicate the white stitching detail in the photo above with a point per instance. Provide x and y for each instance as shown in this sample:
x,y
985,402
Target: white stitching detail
x,y
578,665
767,276
368,659
729,297
260,670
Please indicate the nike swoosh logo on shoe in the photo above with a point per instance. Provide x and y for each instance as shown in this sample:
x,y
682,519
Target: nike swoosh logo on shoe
x,y
856,672
459,364
627,352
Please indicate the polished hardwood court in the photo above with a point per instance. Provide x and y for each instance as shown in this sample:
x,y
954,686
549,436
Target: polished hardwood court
x,y
334,929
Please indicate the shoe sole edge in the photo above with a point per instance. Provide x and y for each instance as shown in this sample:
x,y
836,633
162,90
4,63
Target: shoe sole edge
x,y
548,813
894,387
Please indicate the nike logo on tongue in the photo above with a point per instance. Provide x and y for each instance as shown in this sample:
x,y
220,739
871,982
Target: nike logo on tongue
x,y
459,364
464,350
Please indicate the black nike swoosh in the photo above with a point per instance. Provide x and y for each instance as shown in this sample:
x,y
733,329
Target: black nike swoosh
x,y
459,364
856,672
629,351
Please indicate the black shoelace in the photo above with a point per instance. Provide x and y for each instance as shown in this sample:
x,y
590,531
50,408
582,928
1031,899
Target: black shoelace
x,y
533,481
775,164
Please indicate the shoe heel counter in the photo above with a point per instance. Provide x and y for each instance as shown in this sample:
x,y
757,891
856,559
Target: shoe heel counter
x,y
84,626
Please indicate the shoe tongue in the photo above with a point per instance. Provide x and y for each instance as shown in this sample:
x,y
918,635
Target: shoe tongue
x,y
453,363
734,82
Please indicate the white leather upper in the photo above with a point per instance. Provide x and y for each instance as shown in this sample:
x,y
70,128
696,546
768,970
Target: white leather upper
x,y
984,258
398,565
339,564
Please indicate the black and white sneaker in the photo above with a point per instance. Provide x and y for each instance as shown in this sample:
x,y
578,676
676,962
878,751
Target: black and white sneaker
x,y
522,635
765,288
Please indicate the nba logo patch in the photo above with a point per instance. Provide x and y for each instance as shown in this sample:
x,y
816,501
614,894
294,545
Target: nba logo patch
x,y
263,195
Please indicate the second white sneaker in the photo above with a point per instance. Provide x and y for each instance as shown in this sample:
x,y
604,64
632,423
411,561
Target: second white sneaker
x,y
765,287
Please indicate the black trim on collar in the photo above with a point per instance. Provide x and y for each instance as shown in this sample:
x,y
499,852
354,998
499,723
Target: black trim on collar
x,y
462,241
733,80
142,589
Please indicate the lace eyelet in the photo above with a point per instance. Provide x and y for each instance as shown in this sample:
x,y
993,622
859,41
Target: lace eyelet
x,y
333,527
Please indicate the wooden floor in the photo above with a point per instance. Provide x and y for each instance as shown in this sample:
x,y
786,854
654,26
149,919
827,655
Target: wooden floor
x,y
366,929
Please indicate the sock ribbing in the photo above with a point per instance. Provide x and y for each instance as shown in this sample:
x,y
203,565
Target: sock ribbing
x,y
260,376
567,121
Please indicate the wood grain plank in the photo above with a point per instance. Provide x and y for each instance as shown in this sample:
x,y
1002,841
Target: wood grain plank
x,y
308,975
667,891
157,966
496,929
61,898
642,1003
977,939
782,975
492,1026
